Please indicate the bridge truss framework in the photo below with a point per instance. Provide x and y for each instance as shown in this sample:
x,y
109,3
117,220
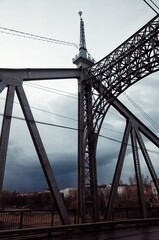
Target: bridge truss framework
x,y
99,85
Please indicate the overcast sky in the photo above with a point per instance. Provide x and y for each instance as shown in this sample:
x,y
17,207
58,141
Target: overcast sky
x,y
107,24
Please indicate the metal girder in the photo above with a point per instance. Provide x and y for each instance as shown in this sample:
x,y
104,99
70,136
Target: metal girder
x,y
134,59
81,185
29,74
129,115
139,126
42,154
101,100
87,177
124,111
138,172
5,130
13,78
90,177
148,160
117,173
101,108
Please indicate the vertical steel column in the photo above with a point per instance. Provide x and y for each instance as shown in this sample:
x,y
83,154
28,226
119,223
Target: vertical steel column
x,y
138,173
87,179
91,189
5,131
81,192
117,173
42,155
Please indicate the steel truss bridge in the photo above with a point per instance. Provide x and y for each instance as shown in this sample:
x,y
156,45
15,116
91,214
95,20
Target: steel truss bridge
x,y
99,85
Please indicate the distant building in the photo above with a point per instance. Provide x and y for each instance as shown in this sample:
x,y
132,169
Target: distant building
x,y
154,190
121,189
27,194
69,192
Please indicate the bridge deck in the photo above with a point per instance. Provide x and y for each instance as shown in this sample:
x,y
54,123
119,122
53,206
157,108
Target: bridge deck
x,y
133,229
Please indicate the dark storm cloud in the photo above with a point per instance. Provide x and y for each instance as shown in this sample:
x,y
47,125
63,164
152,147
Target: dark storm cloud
x,y
65,169
25,173
22,178
107,159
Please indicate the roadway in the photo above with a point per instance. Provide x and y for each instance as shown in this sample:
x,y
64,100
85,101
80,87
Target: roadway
x,y
141,233
135,229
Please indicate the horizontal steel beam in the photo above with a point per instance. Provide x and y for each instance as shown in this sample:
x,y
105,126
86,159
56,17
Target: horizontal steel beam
x,y
38,74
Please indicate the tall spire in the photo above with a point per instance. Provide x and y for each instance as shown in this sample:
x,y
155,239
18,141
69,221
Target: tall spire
x,y
83,59
82,33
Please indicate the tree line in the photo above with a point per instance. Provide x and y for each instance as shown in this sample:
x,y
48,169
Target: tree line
x,y
126,197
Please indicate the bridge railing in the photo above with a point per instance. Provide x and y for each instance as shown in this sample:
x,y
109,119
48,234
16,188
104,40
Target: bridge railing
x,y
14,219
21,219
133,213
